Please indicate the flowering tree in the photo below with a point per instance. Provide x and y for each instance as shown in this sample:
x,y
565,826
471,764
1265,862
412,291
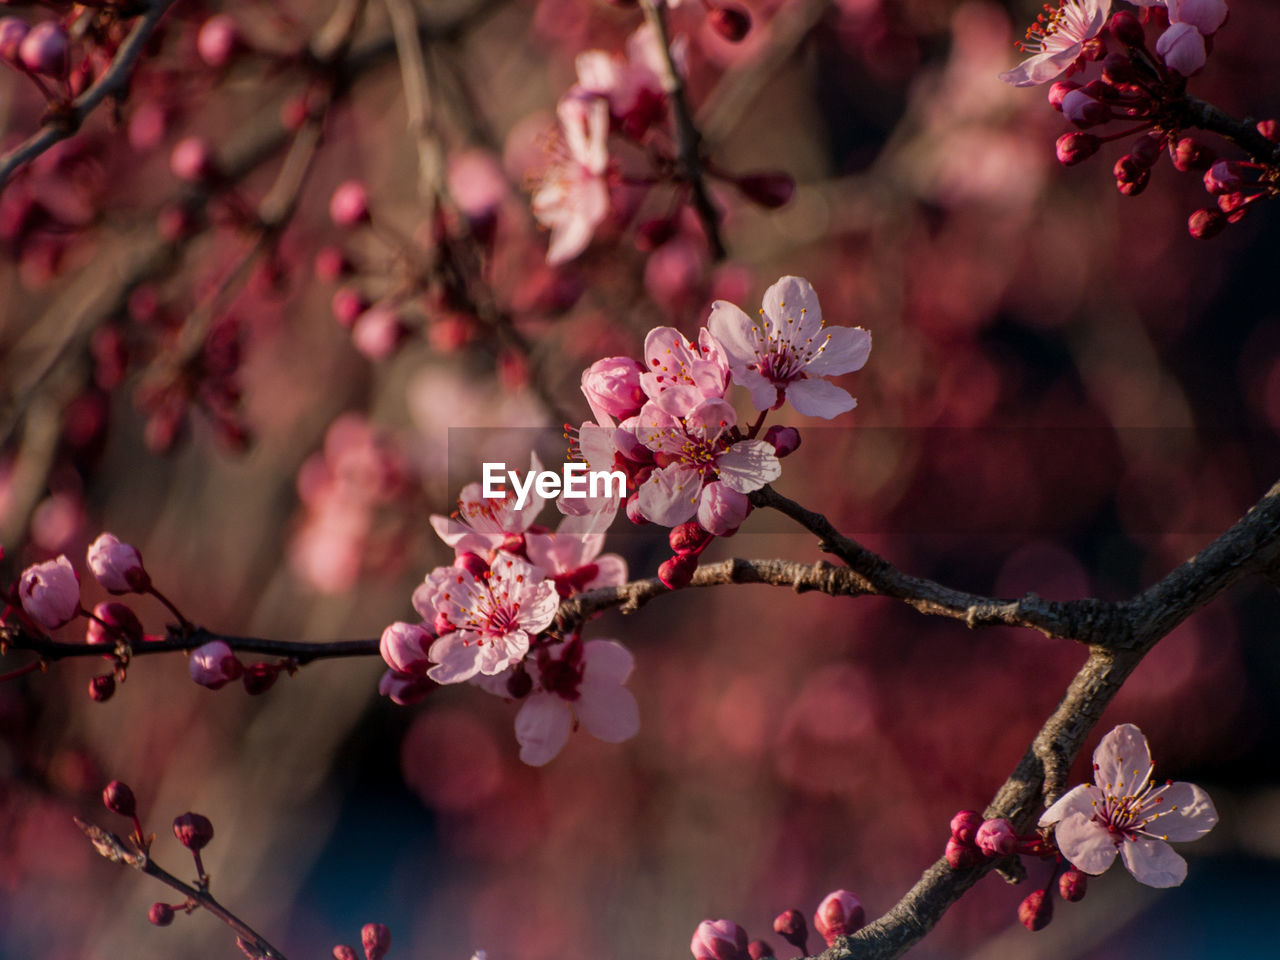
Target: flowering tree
x,y
434,326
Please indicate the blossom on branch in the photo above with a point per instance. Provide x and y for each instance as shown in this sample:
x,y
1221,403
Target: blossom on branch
x,y
1057,40
50,592
1125,812
574,196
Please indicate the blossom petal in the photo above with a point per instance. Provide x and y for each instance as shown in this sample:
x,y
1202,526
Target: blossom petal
x,y
748,465
542,728
737,334
793,299
1184,813
455,659
819,398
1076,800
499,653
1088,845
606,661
1122,761
1153,862
608,712
670,495
846,350
612,572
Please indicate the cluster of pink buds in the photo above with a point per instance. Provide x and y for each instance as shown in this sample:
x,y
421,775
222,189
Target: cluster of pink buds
x,y
974,839
375,939
840,914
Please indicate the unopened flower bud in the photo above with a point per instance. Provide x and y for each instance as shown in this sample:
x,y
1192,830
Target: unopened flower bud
x,y
1118,70
46,49
784,440
719,940
332,264
965,824
160,914
1270,129
839,915
50,592
1036,910
1072,885
677,573
193,831
218,40
1222,177
1191,155
347,305
996,838
1059,91
378,332
473,563
653,233
1131,177
961,855
770,190
259,678
349,205
687,537
1073,148
118,798
759,950
117,566
1206,223
1127,29
376,940
12,32
404,647
192,161
791,926
1146,149
404,689
343,952
101,688
112,620
214,665
730,21
612,388
1084,111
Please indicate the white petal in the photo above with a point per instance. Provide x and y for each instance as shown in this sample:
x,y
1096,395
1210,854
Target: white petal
x,y
819,398
748,465
455,660
606,661
733,329
846,350
1076,800
1185,813
542,728
1086,844
793,299
1153,862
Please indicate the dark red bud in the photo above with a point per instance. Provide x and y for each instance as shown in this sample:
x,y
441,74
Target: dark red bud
x,y
114,620
1206,223
771,189
1118,69
1146,149
791,926
1036,910
653,233
1073,885
962,855
965,824
677,573
730,21
473,563
1131,177
102,687
161,914
759,950
1060,90
1126,28
193,830
1191,155
1270,129
784,440
1075,148
376,940
118,798
687,537
259,677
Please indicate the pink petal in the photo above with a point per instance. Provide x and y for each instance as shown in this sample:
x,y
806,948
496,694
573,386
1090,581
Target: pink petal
x,y
1190,815
819,398
721,509
1153,862
1122,761
734,329
793,298
498,653
1076,800
846,350
455,660
1088,845
608,712
612,571
1042,67
670,495
542,728
713,416
748,465
606,661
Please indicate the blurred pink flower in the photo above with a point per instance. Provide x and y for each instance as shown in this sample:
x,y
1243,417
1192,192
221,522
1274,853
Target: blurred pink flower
x,y
788,351
494,618
584,684
50,592
574,197
1056,41
1125,812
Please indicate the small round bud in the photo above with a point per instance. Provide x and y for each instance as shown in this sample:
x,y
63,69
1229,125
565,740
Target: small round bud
x,y
996,838
1131,177
118,798
332,265
653,233
784,440
677,573
1036,910
1206,223
111,621
688,537
965,824
1146,149
193,831
1270,129
12,32
214,665
1059,90
612,388
1119,70
1083,110
730,21
259,678
1191,155
117,566
1072,885
791,926
378,332
347,305
376,940
192,161
839,915
1073,148
101,688
719,940
519,684
349,205
759,950
218,40
769,190
1127,28
473,563
50,592
1222,177
46,49
961,855
160,914
404,648
343,952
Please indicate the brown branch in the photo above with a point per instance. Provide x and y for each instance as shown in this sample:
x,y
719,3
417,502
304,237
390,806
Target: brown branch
x,y
688,139
113,83
1243,133
112,848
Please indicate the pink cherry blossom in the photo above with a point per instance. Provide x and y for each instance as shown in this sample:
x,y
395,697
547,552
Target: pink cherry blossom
x,y
117,566
786,353
571,557
1125,812
404,647
1207,16
1182,48
484,523
1056,41
494,618
214,665
584,684
678,375
600,447
612,388
632,84
574,196
696,451
50,592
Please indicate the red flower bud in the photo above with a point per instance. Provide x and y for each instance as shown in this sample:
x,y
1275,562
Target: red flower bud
x,y
1206,223
1131,177
965,824
759,950
730,21
349,205
46,49
1146,149
687,537
192,161
1072,885
120,622
473,563
791,926
1073,148
770,190
962,855
1126,28
1059,90
1191,155
12,32
161,914
118,798
1036,910
259,678
102,687
376,940
839,915
677,573
193,830
1270,129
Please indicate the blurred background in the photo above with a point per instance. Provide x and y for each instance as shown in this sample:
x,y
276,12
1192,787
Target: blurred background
x,y
1067,395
